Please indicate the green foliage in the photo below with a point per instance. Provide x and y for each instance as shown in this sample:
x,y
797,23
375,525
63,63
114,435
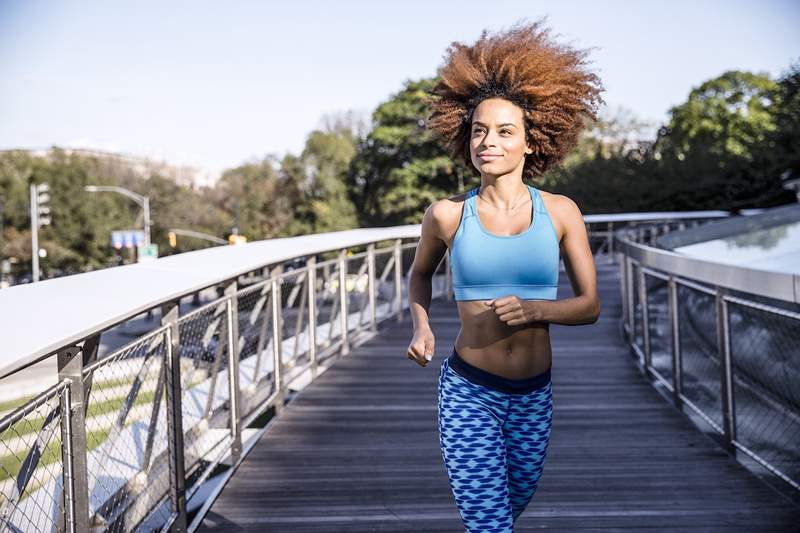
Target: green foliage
x,y
400,167
784,140
248,193
716,152
327,157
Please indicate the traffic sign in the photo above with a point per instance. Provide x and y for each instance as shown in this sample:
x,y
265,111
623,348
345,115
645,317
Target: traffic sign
x,y
147,253
128,238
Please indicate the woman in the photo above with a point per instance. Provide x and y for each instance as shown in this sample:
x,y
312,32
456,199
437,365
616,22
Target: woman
x,y
512,104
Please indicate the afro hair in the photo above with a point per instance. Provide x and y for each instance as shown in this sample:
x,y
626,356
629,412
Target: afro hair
x,y
548,81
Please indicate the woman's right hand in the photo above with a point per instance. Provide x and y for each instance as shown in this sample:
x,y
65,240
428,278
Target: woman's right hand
x,y
421,347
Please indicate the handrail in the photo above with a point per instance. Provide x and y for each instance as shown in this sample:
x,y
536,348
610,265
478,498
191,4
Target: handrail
x,y
216,368
739,380
76,307
770,284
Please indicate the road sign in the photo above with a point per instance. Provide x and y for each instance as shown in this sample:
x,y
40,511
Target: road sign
x,y
147,253
128,238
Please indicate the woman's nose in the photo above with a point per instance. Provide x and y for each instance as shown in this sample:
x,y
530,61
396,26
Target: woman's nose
x,y
490,139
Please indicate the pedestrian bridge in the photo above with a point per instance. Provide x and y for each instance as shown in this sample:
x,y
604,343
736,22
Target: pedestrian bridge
x,y
265,387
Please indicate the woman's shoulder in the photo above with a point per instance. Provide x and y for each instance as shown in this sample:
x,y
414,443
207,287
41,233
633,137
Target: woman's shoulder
x,y
445,208
447,212
562,210
560,203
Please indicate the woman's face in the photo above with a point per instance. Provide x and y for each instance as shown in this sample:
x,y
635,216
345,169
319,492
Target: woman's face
x,y
497,137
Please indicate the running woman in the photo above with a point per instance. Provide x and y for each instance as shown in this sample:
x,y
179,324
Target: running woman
x,y
511,106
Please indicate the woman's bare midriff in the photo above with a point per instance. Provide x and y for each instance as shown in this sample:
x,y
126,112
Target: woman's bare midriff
x,y
485,341
513,352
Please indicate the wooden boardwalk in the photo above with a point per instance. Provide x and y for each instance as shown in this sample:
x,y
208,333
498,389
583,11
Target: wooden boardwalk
x,y
358,449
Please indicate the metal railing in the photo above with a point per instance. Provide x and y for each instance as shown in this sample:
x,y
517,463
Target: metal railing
x,y
126,442
724,340
123,442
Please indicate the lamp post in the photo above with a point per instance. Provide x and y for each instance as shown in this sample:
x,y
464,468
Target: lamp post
x,y
143,201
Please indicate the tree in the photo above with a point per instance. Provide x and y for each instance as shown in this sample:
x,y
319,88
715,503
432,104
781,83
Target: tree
x,y
709,151
784,142
326,160
249,194
400,167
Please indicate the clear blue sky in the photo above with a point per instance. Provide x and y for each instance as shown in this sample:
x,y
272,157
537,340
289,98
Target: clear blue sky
x,y
214,84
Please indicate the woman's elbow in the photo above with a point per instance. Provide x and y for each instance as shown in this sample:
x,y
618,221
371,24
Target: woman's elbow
x,y
594,312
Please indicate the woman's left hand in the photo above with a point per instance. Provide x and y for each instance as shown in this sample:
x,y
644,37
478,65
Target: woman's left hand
x,y
515,312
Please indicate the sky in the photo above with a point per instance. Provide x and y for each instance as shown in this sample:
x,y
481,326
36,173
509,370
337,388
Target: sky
x,y
217,84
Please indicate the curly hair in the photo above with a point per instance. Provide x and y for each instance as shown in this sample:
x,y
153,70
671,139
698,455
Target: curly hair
x,y
523,65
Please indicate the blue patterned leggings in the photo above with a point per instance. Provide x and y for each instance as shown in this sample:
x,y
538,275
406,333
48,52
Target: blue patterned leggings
x,y
493,445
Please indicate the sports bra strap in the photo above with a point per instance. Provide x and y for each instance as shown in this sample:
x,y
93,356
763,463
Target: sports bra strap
x,y
469,204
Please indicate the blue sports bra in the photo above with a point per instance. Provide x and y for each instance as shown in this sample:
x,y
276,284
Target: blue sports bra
x,y
487,266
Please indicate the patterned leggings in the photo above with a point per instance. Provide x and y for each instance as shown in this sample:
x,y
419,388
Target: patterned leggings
x,y
494,444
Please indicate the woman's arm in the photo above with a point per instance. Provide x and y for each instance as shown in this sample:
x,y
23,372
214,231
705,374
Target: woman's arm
x,y
430,250
584,307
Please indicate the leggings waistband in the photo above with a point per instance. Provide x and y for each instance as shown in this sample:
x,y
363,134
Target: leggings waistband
x,y
487,379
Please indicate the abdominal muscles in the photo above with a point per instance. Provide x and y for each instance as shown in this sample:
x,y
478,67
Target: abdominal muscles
x,y
514,352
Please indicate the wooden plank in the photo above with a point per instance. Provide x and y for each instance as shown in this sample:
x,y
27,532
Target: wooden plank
x,y
358,449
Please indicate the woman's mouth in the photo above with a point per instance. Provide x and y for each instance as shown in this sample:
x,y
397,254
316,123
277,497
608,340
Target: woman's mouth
x,y
489,157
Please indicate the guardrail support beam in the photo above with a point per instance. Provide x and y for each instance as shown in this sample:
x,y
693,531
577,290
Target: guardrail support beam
x,y
726,370
232,316
677,359
277,338
177,466
398,279
343,311
73,449
311,265
373,316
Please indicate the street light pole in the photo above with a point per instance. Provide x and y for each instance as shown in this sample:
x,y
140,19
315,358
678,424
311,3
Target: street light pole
x,y
143,201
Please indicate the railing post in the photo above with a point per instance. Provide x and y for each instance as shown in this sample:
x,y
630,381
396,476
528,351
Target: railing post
x,y
343,308
177,466
264,329
726,375
623,287
373,314
645,320
311,265
398,279
610,230
66,521
631,308
277,337
73,435
677,360
232,317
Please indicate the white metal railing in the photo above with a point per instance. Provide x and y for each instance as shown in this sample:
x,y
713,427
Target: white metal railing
x,y
125,442
724,340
